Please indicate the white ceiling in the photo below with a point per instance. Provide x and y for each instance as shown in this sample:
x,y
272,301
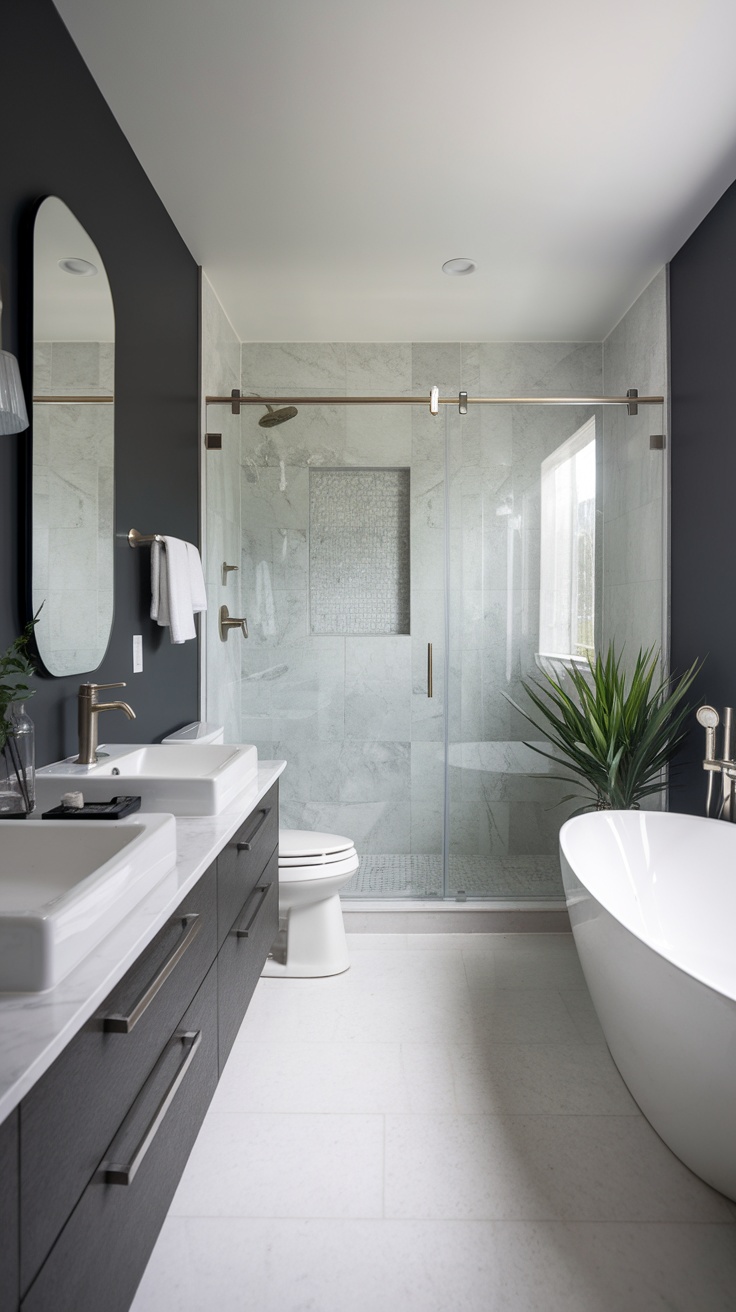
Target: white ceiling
x,y
322,158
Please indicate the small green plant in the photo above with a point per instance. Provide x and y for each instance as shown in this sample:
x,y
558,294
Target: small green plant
x,y
615,733
16,669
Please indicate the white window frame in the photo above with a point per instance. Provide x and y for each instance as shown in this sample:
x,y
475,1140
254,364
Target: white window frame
x,y
558,583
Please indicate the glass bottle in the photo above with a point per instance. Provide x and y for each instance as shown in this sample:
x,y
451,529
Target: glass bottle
x,y
17,764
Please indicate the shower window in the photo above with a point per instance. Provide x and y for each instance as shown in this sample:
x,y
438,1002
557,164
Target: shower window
x,y
567,565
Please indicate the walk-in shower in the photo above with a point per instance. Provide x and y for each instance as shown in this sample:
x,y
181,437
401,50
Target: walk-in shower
x,y
402,573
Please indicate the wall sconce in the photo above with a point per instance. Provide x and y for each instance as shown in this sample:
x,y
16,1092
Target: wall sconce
x,y
13,413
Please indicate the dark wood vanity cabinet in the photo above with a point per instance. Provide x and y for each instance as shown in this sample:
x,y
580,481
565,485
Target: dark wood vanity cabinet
x,y
243,953
104,1136
9,1214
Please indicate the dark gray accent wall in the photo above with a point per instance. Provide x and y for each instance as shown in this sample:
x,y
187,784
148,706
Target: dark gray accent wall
x,y
703,368
61,139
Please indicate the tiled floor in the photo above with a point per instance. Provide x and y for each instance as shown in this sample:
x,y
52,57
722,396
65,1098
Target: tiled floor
x,y
420,875
441,1129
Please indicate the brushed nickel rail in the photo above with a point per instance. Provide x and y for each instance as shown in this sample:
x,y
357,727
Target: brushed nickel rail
x,y
443,400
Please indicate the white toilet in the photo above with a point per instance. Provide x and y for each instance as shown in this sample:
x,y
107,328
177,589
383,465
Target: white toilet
x,y
313,867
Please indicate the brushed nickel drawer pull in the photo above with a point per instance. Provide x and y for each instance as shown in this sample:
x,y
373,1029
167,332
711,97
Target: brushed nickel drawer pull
x,y
260,892
247,847
430,691
120,1024
124,1172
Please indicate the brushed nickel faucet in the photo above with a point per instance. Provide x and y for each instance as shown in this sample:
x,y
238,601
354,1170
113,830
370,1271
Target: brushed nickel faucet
x,y
88,710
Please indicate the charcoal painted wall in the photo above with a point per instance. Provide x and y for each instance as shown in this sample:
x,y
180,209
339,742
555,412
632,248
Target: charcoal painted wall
x,y
61,139
703,363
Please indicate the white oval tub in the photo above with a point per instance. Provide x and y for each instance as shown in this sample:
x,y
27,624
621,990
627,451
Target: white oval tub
x,y
652,901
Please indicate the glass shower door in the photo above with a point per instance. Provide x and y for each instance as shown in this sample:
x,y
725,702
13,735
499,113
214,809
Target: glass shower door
x,y
341,515
555,548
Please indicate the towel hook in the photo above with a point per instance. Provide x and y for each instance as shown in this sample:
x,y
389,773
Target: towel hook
x,y
228,622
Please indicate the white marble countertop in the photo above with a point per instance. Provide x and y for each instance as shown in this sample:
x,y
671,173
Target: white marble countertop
x,y
35,1027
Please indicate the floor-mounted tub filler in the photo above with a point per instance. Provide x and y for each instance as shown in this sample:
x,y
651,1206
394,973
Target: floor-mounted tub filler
x,y
652,900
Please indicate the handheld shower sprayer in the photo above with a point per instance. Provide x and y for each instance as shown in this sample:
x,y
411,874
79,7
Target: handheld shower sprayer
x,y
710,719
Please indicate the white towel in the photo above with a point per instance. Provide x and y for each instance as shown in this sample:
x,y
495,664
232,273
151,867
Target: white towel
x,y
177,587
196,580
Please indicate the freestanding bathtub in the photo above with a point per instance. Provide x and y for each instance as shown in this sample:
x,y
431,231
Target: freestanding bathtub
x,y
652,901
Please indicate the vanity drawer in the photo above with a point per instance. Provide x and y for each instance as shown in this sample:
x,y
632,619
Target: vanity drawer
x,y
241,862
102,1252
9,1279
68,1119
244,952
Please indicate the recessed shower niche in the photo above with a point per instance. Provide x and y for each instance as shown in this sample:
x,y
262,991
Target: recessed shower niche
x,y
359,551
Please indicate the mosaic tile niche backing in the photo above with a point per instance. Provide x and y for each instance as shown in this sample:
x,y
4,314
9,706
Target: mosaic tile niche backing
x,y
359,551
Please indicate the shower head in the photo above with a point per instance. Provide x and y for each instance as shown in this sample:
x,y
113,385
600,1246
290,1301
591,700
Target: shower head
x,y
275,417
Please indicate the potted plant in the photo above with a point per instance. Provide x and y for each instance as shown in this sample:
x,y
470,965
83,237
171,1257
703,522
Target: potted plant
x,y
17,779
615,732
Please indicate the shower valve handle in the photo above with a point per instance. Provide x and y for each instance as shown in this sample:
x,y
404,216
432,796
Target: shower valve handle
x,y
228,622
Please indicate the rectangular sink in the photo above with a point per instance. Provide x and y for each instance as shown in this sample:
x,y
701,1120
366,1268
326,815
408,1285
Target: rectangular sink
x,y
65,884
180,779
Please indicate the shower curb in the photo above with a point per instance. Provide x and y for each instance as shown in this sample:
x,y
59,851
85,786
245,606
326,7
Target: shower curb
x,y
362,916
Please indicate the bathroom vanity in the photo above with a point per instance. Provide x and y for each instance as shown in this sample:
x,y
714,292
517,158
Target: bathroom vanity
x,y
105,1080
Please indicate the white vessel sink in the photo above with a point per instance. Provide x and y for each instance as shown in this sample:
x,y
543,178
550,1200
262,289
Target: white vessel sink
x,y
64,884
166,776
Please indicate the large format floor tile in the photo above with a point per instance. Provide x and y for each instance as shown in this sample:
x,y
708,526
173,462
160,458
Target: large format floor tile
x,y
440,1129
438,1266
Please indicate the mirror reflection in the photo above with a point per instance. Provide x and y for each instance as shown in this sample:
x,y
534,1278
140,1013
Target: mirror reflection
x,y
73,444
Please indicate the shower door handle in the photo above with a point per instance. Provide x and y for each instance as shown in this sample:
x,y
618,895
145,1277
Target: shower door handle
x,y
429,669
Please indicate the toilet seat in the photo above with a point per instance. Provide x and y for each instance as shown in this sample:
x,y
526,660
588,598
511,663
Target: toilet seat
x,y
322,871
302,844
288,862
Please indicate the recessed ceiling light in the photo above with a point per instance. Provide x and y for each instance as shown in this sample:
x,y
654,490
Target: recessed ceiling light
x,y
82,268
457,268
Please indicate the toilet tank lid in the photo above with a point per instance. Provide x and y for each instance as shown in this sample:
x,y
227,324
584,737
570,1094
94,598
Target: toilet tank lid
x,y
307,842
199,731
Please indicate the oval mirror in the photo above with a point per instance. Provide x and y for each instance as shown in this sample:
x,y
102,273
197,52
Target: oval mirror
x,y
72,452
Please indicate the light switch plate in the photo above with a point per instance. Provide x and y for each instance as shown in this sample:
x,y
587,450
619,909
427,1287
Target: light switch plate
x,y
137,653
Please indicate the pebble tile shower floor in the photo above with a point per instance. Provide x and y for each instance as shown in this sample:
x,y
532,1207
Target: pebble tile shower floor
x,y
440,1129
420,875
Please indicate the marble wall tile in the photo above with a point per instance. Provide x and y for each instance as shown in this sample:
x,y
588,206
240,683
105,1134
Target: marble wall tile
x,y
41,369
351,771
378,435
437,364
378,369
541,368
378,688
75,369
361,789
267,366
301,689
107,367
274,498
317,435
427,796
